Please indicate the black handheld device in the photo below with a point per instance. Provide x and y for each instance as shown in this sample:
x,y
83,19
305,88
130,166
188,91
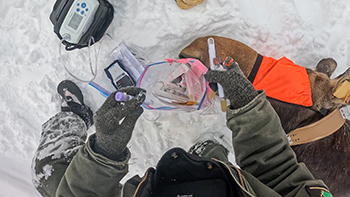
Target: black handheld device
x,y
77,21
118,76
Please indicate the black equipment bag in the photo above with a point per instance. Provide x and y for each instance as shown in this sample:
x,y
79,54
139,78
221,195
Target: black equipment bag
x,y
101,21
179,173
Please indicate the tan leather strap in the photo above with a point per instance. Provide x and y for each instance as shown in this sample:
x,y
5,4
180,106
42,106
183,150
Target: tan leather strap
x,y
318,130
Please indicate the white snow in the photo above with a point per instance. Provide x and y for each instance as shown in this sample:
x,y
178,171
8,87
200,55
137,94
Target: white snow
x,y
46,173
303,30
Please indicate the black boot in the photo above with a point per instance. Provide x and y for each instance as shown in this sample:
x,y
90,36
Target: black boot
x,y
72,100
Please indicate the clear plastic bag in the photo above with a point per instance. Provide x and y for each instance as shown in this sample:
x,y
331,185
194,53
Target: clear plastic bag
x,y
175,85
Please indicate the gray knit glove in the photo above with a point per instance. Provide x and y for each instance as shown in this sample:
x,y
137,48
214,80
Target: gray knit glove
x,y
115,121
237,88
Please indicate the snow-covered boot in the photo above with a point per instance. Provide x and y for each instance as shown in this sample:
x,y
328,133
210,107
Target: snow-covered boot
x,y
199,147
210,149
72,100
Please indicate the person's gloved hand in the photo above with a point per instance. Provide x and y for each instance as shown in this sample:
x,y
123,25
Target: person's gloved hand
x,y
115,121
237,88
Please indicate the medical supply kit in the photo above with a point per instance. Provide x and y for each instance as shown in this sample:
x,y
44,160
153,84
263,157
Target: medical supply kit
x,y
170,84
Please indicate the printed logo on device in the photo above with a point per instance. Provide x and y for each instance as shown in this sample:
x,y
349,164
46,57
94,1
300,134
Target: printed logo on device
x,y
318,192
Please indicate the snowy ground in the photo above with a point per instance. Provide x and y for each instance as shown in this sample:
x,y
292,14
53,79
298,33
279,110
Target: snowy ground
x,y
303,30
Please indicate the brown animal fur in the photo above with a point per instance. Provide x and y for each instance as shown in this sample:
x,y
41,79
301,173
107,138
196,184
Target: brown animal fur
x,y
328,158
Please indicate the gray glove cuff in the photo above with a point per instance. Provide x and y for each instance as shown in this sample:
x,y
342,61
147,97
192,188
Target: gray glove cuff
x,y
112,156
237,88
122,157
243,97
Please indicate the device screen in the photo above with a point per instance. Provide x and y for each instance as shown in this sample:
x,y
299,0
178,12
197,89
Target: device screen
x,y
75,21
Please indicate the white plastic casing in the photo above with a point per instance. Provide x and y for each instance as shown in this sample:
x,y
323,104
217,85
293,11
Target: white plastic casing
x,y
78,20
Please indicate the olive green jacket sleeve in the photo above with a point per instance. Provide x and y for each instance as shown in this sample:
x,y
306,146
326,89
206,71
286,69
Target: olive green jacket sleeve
x,y
262,149
91,174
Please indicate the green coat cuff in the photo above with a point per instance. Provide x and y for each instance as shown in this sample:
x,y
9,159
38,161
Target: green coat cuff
x,y
92,173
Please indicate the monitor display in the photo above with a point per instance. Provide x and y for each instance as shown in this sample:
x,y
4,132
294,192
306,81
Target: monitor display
x,y
75,21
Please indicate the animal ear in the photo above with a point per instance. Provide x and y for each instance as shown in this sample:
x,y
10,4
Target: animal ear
x,y
326,66
322,89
